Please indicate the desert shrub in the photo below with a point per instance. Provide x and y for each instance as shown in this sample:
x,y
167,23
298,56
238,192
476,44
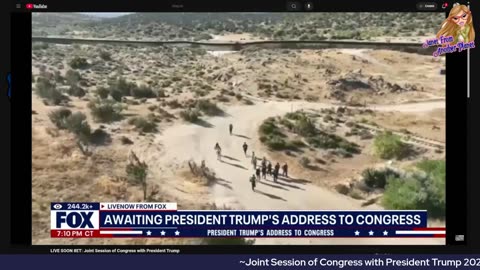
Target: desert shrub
x,y
161,93
78,125
72,77
294,115
331,141
78,63
208,107
378,178
105,111
269,128
76,91
152,108
123,86
102,92
286,123
174,104
295,144
248,102
47,90
74,122
142,124
116,95
57,117
419,191
142,92
304,161
190,115
105,55
275,143
137,172
388,146
239,96
58,77
305,126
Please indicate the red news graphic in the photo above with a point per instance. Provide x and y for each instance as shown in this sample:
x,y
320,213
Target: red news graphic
x,y
29,6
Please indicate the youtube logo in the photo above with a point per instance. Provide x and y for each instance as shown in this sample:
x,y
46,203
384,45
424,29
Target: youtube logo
x,y
29,6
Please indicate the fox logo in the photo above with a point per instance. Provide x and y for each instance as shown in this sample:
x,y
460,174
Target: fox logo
x,y
75,220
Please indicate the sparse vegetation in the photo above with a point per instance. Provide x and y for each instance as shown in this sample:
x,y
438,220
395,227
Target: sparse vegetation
x,y
378,178
137,172
190,115
76,91
105,55
48,91
208,107
73,77
78,63
105,111
74,122
390,146
420,190
143,125
102,92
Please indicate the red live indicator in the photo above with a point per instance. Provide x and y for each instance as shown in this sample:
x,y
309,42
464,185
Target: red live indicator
x,y
29,6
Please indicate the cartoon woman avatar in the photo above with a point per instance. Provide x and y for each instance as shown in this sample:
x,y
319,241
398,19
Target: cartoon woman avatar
x,y
459,25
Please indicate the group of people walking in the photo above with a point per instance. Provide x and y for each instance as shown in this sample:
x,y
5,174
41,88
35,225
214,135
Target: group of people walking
x,y
265,168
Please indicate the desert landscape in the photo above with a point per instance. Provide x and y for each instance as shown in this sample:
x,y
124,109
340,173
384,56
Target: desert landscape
x,y
358,128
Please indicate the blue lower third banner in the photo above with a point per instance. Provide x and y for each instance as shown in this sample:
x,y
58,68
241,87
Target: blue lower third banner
x,y
71,220
232,262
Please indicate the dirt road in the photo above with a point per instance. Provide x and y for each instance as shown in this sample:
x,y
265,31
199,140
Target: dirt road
x,y
188,141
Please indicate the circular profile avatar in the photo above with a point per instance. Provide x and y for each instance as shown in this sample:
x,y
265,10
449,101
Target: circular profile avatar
x,y
458,25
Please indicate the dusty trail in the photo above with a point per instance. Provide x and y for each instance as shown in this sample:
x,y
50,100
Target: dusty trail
x,y
188,141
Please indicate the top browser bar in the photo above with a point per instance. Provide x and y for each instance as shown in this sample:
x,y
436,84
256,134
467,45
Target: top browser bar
x,y
229,6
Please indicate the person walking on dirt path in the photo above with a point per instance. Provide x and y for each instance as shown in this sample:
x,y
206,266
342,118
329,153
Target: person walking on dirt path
x,y
245,148
264,162
218,149
257,173
254,162
264,171
275,174
252,181
269,168
230,128
285,170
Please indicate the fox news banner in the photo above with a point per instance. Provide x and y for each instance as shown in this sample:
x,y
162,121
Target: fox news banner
x,y
76,220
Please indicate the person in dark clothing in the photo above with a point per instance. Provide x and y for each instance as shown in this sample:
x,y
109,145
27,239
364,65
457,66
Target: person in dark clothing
x,y
277,167
275,175
252,181
245,148
269,168
285,170
264,161
257,172
264,171
230,128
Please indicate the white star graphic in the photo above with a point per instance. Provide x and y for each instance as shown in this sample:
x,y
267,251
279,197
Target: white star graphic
x,y
385,233
149,233
177,233
357,233
162,233
370,233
